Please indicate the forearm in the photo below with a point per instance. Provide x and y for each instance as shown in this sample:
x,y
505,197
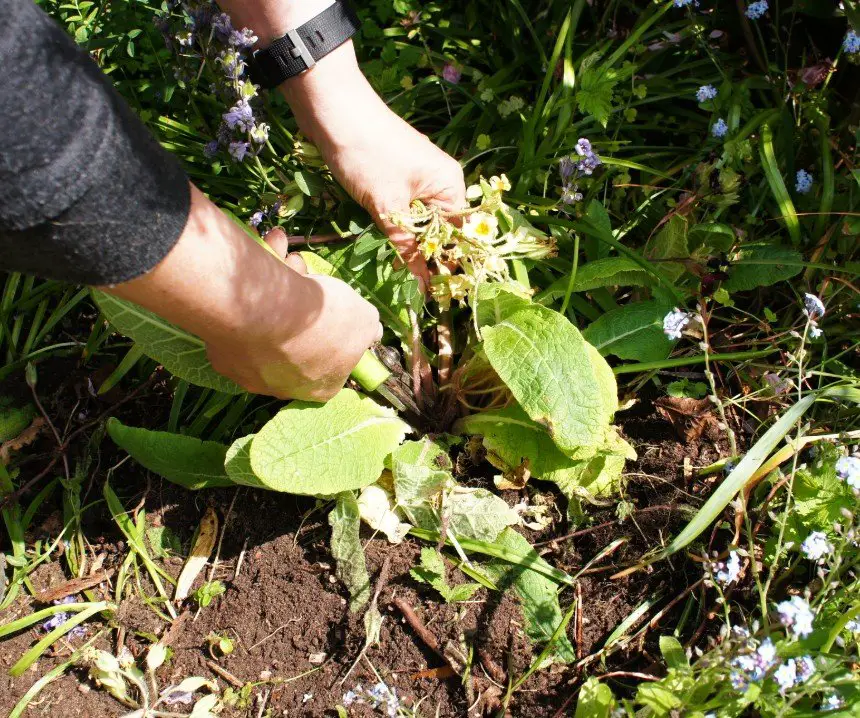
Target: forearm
x,y
213,280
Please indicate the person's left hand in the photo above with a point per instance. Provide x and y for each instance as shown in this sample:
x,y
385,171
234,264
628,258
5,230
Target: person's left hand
x,y
381,160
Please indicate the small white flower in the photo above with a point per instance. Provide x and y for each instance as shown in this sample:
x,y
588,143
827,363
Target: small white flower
x,y
805,668
816,546
833,702
853,626
814,330
728,572
786,676
848,469
674,322
796,615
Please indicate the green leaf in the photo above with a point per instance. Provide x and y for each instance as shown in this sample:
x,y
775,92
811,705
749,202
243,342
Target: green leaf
x,y
674,654
496,302
540,605
761,265
633,331
347,551
606,272
237,463
595,700
549,369
432,571
323,449
421,469
14,419
658,698
595,89
367,266
184,460
668,244
738,478
475,514
181,353
820,495
712,236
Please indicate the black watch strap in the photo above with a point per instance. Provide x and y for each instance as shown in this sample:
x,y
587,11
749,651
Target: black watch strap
x,y
300,49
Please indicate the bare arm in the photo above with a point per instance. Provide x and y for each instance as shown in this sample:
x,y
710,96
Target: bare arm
x,y
381,160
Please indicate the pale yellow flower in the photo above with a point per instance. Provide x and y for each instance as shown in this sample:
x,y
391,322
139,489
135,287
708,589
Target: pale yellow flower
x,y
481,227
500,184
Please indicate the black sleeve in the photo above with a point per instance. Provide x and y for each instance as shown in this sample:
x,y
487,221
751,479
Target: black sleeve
x,y
86,193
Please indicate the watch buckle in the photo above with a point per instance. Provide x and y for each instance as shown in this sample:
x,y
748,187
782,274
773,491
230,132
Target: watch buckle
x,y
300,50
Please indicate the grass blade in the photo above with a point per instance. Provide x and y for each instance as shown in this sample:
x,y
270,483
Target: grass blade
x,y
736,480
30,657
777,185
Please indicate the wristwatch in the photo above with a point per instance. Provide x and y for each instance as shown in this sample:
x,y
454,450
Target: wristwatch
x,y
299,49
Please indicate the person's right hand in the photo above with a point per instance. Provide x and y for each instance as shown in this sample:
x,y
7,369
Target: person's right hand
x,y
273,329
305,347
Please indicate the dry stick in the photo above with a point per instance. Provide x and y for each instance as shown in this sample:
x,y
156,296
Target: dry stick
x,y
225,674
241,559
578,621
15,495
418,626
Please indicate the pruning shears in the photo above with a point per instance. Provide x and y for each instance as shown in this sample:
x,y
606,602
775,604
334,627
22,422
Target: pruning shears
x,y
374,377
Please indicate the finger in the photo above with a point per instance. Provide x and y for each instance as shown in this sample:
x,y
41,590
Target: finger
x,y
379,330
407,248
278,241
294,261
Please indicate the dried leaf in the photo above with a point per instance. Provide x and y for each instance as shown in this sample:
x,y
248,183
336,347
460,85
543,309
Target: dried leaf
x,y
203,546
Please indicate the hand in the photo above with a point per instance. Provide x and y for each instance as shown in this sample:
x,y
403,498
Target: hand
x,y
305,347
271,328
382,161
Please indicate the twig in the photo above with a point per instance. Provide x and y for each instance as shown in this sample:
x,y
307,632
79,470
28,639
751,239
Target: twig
x,y
225,674
15,495
418,626
70,588
241,559
578,621
263,701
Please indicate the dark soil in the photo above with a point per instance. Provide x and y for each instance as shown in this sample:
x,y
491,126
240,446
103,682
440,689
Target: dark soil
x,y
288,614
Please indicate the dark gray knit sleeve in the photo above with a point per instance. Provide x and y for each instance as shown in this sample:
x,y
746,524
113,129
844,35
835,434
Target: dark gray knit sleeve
x,y
86,193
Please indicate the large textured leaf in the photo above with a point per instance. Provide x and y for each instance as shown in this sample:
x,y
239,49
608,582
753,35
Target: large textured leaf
x,y
184,460
538,593
347,551
237,463
606,272
547,365
511,439
181,353
323,449
634,331
421,469
496,302
761,265
469,513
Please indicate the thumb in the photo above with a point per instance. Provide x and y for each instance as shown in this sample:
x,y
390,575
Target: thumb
x,y
278,241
